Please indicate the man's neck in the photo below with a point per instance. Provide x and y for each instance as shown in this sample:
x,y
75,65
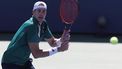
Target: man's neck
x,y
36,21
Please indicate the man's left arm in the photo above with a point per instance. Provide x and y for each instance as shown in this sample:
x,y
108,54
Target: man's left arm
x,y
54,42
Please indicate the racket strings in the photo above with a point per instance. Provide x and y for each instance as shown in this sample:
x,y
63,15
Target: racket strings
x,y
68,10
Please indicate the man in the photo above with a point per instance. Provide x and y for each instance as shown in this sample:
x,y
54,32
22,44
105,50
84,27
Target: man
x,y
27,38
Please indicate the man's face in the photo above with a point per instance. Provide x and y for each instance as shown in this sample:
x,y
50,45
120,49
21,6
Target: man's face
x,y
40,14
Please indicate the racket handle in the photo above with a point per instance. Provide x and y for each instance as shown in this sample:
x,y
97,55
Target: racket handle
x,y
67,26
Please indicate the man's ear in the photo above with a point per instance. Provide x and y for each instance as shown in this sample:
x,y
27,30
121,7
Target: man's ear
x,y
32,12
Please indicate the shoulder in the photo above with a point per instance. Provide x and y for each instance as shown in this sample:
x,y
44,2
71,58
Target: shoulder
x,y
28,23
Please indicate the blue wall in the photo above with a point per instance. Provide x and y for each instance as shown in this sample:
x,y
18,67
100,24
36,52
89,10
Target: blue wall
x,y
14,13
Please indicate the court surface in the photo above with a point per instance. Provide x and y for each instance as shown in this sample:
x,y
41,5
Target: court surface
x,y
80,55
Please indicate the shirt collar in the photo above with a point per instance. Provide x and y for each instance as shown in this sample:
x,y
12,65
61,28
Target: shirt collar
x,y
35,20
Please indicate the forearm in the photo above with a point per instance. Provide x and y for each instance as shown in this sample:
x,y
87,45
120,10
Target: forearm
x,y
41,54
59,47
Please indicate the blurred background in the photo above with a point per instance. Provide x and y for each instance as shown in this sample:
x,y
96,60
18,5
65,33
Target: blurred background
x,y
98,17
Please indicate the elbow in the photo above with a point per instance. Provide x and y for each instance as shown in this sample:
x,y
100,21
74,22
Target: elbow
x,y
39,55
35,56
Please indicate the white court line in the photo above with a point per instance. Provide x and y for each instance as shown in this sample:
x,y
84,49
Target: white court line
x,y
79,56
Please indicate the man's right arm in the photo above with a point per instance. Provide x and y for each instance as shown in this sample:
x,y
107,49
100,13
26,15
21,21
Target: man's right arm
x,y
38,53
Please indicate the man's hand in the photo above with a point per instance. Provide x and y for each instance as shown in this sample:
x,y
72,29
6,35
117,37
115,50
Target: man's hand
x,y
65,36
65,41
64,46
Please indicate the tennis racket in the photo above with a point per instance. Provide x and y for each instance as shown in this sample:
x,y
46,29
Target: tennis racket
x,y
68,12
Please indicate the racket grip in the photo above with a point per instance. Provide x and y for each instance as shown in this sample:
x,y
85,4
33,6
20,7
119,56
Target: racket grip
x,y
68,26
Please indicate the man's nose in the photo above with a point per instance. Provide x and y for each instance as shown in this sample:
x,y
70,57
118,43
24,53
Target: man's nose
x,y
41,14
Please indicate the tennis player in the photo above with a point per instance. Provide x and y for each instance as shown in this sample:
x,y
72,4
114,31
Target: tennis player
x,y
27,38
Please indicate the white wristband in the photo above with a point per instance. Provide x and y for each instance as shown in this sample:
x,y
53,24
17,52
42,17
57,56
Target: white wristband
x,y
53,51
58,42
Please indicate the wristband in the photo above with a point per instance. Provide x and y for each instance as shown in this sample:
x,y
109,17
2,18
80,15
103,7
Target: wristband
x,y
53,51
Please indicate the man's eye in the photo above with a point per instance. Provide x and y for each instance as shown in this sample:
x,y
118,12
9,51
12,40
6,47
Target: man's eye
x,y
43,11
39,10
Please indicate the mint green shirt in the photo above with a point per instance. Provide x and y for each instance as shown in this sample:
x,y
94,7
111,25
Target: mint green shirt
x,y
18,51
